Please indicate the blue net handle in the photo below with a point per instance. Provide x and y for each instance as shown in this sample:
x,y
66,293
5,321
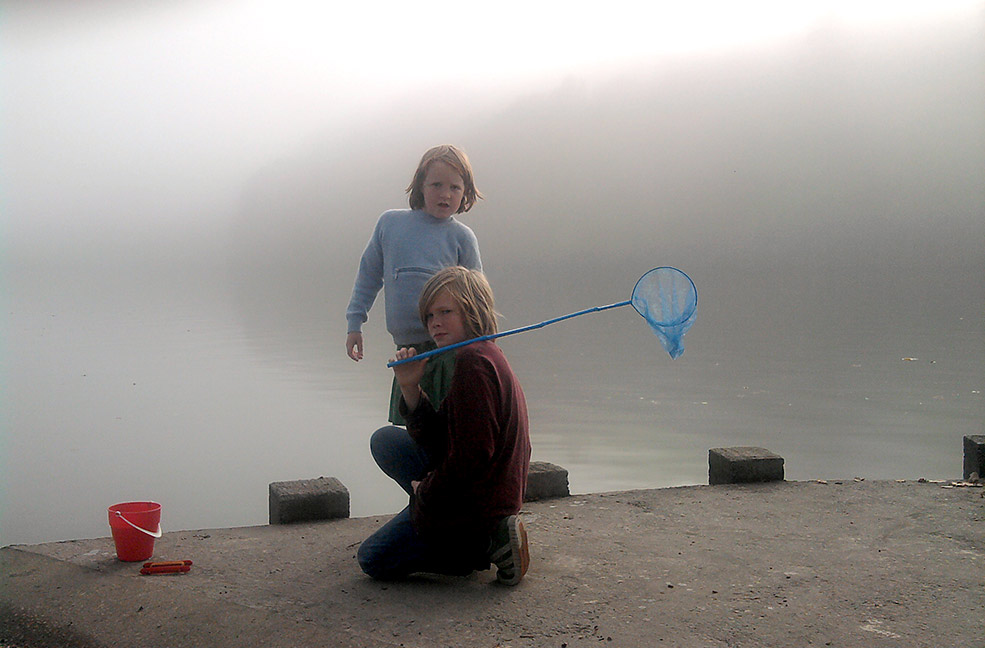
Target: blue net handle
x,y
450,347
665,297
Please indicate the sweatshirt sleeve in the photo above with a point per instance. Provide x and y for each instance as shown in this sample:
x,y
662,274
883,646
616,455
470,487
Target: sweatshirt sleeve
x,y
369,280
425,425
468,255
472,426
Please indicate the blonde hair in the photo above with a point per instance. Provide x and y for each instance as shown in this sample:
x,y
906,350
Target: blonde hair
x,y
456,159
471,291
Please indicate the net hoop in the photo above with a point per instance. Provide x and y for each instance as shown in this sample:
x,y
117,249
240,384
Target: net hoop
x,y
668,301
676,279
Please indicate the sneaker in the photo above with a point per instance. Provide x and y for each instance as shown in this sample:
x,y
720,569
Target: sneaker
x,y
510,551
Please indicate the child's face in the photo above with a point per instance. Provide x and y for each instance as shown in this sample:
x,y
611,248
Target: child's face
x,y
444,319
443,190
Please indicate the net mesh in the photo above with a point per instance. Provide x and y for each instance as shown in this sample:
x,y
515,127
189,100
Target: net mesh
x,y
667,300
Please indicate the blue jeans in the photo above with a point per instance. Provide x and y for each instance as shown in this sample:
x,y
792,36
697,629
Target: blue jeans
x,y
396,550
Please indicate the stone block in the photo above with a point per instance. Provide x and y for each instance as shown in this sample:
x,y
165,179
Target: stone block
x,y
545,480
974,455
743,464
305,500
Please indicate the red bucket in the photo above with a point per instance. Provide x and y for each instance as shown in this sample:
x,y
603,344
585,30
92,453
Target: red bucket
x,y
135,526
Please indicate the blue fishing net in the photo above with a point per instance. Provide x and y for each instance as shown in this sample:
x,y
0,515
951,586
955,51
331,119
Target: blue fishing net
x,y
667,300
665,297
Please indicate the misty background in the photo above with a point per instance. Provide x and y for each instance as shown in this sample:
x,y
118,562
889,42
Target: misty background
x,y
186,189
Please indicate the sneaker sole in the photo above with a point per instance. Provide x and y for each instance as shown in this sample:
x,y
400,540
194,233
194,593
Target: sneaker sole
x,y
520,549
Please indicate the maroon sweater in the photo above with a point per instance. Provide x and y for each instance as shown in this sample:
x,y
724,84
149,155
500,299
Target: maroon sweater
x,y
479,443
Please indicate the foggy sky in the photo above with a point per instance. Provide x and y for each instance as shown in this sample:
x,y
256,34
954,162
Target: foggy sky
x,y
128,136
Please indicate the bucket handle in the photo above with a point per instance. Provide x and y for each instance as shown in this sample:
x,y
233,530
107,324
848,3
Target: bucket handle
x,y
156,534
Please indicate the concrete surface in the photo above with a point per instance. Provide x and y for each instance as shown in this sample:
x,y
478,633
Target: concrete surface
x,y
544,481
307,500
743,464
974,455
844,563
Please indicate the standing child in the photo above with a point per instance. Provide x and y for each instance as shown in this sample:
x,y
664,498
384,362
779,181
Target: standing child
x,y
407,247
463,464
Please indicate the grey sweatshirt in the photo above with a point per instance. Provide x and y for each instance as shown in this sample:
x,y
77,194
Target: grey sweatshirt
x,y
406,248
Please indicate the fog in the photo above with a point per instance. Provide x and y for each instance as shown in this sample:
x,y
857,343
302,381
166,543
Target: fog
x,y
186,130
186,189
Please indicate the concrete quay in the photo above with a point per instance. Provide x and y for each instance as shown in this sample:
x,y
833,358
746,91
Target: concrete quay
x,y
841,563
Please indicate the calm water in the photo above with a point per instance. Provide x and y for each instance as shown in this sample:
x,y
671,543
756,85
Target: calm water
x,y
197,394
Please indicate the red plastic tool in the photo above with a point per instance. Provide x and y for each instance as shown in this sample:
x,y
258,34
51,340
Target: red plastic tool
x,y
166,567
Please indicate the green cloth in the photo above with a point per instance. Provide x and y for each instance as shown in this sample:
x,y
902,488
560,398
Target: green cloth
x,y
435,383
